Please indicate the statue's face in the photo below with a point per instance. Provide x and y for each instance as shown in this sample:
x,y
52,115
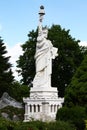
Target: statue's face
x,y
45,33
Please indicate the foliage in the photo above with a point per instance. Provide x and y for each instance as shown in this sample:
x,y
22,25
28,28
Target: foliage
x,y
64,66
6,77
11,111
25,126
75,115
18,91
60,125
75,102
76,92
3,124
35,125
26,62
86,123
70,57
6,125
40,125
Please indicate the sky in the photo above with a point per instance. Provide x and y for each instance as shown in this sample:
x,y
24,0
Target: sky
x,y
19,17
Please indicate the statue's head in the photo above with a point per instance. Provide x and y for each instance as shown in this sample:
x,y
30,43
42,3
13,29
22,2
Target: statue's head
x,y
45,32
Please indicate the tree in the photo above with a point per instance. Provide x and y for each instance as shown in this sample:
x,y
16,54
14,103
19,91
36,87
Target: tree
x,y
70,57
26,62
18,91
64,66
6,77
76,92
76,115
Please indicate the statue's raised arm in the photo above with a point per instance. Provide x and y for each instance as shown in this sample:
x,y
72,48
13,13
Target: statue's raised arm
x,y
41,14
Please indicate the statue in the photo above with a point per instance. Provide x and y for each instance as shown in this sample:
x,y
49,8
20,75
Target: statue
x,y
45,52
43,101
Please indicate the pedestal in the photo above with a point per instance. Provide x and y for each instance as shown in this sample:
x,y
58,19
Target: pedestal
x,y
42,104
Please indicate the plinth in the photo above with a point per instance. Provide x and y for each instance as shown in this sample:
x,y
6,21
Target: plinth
x,y
42,104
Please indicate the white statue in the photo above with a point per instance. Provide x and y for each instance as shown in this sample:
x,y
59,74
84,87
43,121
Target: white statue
x,y
45,52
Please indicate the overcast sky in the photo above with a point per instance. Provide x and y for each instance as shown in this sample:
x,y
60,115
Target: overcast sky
x,y
18,17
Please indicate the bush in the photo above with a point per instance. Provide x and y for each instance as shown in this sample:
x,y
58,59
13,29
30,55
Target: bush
x,y
39,125
11,111
75,115
3,124
80,124
35,125
2,127
25,126
60,125
6,125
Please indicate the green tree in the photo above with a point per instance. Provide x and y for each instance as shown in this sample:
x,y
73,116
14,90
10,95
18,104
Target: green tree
x,y
26,62
70,57
18,91
76,92
76,115
6,77
64,66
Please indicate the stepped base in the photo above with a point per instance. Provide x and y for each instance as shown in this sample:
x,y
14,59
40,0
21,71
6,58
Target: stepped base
x,y
44,93
42,104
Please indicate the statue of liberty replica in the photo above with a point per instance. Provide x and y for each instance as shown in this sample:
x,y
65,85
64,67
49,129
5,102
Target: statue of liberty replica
x,y
43,102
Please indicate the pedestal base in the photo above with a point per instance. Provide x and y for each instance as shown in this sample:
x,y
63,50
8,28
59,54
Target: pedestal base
x,y
42,104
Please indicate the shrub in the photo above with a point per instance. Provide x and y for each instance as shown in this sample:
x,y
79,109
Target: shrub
x,y
3,124
80,124
39,125
2,127
60,125
25,126
7,124
35,125
11,111
75,115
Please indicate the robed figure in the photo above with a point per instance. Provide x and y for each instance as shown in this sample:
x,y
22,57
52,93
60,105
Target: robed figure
x,y
45,52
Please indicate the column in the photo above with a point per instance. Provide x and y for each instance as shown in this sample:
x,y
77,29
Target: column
x,y
28,109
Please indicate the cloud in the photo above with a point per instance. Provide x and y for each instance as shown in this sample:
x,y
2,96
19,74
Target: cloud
x,y
83,43
14,51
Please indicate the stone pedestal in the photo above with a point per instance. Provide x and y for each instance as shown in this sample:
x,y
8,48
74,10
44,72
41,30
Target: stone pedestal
x,y
42,104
